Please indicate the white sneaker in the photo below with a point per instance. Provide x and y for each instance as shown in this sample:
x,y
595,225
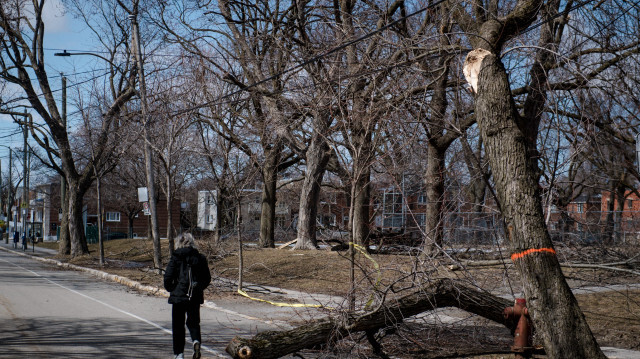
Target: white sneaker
x,y
180,356
196,350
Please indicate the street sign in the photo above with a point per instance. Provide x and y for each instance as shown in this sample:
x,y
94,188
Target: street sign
x,y
143,195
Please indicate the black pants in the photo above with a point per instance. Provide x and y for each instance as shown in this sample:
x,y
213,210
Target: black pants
x,y
192,311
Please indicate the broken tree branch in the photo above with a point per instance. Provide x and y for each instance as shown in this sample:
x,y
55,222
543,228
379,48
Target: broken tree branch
x,y
604,266
439,294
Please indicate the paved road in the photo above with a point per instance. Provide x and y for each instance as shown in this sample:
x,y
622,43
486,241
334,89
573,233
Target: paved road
x,y
50,313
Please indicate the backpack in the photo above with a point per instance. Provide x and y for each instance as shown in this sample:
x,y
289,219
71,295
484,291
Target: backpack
x,y
186,280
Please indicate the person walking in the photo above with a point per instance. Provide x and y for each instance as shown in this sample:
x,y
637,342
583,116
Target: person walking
x,y
186,277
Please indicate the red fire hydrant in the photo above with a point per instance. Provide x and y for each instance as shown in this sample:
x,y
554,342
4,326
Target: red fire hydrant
x,y
522,336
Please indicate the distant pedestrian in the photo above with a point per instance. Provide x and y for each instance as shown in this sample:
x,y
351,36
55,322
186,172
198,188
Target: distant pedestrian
x,y
16,237
186,277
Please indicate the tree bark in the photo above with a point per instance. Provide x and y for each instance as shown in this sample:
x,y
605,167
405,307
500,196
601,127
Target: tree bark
x,y
316,163
434,179
437,146
439,294
269,188
76,224
552,305
169,215
64,247
610,221
477,187
361,196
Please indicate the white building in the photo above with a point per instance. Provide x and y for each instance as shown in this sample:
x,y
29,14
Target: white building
x,y
207,208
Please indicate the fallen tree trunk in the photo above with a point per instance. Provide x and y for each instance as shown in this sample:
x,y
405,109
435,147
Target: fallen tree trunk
x,y
439,294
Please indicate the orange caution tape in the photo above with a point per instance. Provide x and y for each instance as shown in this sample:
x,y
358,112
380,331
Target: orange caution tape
x,y
531,251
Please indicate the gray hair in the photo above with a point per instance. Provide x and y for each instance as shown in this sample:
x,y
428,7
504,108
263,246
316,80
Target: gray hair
x,y
185,240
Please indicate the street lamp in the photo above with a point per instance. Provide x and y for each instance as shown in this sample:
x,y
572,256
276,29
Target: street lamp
x,y
147,147
64,53
63,185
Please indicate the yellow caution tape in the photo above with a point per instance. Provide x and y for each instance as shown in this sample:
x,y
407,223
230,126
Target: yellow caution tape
x,y
375,265
280,304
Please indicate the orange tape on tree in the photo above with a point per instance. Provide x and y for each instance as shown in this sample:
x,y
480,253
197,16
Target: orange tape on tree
x,y
531,251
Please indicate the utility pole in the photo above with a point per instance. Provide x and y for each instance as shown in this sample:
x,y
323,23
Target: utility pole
x,y
9,194
2,203
63,179
25,195
148,154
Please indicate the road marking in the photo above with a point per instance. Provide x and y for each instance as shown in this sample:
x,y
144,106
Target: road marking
x,y
168,331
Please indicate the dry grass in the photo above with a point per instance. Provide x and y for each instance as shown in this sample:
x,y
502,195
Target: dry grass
x,y
614,316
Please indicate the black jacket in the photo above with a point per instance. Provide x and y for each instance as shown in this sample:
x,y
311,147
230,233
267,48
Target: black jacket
x,y
176,277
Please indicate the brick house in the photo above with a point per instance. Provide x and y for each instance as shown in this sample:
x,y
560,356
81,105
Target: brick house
x,y
588,218
123,214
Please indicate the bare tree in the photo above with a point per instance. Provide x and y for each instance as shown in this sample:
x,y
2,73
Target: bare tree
x,y
172,142
510,142
23,63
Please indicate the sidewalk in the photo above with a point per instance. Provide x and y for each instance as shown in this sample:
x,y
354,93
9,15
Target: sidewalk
x,y
39,251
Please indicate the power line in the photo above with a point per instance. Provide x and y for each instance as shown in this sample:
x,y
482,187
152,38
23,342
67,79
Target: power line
x,y
313,59
219,100
152,54
352,42
67,75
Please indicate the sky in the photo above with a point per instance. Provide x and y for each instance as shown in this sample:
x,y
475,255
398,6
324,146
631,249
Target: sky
x,y
62,32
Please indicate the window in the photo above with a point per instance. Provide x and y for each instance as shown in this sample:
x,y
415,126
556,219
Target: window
x,y
113,216
210,218
60,214
209,198
580,207
393,221
392,203
422,199
629,204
